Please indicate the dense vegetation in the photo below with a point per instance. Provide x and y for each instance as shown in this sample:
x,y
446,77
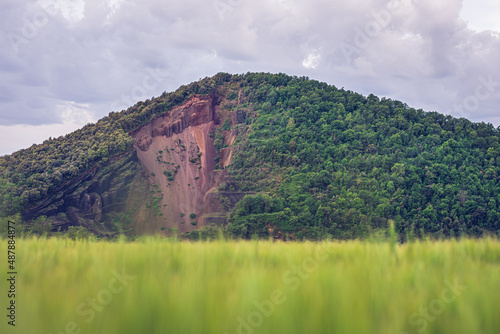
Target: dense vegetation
x,y
31,174
161,286
325,161
342,164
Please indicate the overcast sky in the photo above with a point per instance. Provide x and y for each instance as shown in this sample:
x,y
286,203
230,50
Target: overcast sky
x,y
64,63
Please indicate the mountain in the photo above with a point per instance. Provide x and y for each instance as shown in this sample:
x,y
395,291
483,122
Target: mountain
x,y
262,154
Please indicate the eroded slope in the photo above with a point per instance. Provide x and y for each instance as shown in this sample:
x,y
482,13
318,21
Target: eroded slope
x,y
178,154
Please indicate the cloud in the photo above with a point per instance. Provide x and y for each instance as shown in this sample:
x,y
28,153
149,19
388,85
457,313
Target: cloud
x,y
13,137
97,53
312,60
481,15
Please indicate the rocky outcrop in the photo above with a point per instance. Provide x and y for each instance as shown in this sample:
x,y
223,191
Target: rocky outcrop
x,y
196,111
87,199
144,142
177,152
168,182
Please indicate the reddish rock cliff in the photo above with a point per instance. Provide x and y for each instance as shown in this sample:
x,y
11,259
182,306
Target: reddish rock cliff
x,y
196,111
168,182
176,150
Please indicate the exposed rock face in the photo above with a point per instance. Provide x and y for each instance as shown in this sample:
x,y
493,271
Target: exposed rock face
x,y
91,204
177,152
144,142
166,183
197,111
85,200
226,154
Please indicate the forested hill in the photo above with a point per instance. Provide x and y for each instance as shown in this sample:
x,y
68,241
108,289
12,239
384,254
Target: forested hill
x,y
321,161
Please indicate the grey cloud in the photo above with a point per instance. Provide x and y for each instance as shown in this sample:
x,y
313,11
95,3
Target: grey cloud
x,y
6,95
425,56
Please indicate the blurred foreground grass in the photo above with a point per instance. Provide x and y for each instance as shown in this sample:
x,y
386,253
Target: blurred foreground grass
x,y
165,286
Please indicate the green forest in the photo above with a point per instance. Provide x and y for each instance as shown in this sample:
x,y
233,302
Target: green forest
x,y
324,162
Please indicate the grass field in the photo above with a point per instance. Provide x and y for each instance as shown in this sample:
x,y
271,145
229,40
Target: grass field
x,y
166,286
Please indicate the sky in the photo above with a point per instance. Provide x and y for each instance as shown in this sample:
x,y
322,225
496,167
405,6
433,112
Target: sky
x,y
65,63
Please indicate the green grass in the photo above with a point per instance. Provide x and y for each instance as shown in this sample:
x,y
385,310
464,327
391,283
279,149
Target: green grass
x,y
211,287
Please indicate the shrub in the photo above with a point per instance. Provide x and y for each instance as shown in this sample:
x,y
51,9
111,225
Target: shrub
x,y
78,232
41,226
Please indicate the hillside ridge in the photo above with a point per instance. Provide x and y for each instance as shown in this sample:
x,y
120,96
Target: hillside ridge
x,y
263,154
